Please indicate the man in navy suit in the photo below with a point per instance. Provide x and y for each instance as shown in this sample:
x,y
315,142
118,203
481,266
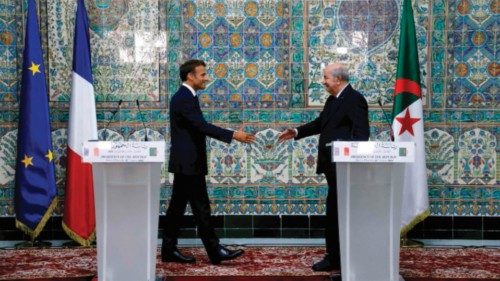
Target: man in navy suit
x,y
188,163
344,117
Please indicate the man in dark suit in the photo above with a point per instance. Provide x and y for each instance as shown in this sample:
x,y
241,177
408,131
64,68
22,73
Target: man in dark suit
x,y
344,117
188,163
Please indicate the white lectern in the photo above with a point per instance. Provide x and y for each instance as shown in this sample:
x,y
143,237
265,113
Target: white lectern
x,y
369,193
126,194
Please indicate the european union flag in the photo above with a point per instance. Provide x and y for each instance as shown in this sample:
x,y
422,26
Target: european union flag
x,y
35,194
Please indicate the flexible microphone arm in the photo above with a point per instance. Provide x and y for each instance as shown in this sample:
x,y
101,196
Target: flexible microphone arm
x,y
142,118
111,119
387,119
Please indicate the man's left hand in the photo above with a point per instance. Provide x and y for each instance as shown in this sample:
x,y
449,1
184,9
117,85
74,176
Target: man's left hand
x,y
244,137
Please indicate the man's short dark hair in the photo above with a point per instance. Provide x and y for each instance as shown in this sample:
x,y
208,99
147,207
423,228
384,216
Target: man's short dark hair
x,y
188,67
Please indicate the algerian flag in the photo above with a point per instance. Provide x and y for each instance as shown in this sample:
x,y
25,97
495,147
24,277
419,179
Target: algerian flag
x,y
408,122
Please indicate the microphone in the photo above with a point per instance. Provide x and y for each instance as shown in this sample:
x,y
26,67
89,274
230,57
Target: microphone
x,y
386,119
142,118
105,132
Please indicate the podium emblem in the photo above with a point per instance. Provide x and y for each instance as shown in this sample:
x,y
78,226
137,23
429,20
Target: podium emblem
x,y
96,151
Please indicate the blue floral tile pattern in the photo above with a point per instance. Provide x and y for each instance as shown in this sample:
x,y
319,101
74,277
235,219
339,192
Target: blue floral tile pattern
x,y
265,60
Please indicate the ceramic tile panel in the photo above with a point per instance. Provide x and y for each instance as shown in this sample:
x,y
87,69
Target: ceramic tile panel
x,y
473,53
363,35
10,50
125,44
246,45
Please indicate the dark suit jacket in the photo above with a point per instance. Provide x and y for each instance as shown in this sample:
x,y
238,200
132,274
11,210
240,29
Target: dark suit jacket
x,y
345,118
188,131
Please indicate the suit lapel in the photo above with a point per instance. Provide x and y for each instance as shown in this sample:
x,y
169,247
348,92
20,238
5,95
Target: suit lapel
x,y
336,107
188,93
333,108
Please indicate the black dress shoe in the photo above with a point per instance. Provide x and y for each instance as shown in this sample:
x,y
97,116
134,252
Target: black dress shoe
x,y
223,254
326,264
175,256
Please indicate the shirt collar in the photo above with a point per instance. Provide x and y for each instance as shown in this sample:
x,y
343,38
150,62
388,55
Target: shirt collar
x,y
190,89
342,91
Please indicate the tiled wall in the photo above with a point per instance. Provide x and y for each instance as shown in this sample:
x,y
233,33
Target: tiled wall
x,y
265,59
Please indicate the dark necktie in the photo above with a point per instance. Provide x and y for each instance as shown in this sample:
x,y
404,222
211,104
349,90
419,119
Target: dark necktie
x,y
330,104
196,102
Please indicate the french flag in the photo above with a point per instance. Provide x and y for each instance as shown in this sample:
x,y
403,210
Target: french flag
x,y
79,212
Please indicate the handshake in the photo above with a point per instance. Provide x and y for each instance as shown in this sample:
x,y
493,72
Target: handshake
x,y
244,137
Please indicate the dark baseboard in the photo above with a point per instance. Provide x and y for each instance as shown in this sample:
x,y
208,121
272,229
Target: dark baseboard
x,y
476,228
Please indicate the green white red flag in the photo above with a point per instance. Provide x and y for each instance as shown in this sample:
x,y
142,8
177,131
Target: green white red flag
x,y
408,122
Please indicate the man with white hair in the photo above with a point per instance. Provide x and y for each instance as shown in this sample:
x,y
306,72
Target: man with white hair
x,y
344,117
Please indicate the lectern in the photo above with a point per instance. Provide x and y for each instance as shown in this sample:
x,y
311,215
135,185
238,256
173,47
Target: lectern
x,y
370,178
126,194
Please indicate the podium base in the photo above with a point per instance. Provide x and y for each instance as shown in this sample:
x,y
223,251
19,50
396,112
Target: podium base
x,y
33,244
157,278
336,277
409,243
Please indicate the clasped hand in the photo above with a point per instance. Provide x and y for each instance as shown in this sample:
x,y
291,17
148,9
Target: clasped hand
x,y
242,136
286,135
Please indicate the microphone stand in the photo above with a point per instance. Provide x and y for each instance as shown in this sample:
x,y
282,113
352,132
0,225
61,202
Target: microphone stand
x,y
142,119
391,133
105,131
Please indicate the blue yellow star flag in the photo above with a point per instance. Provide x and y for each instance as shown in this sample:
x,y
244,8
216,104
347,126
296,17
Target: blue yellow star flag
x,y
35,193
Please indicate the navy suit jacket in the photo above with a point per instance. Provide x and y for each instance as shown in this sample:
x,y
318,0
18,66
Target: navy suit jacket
x,y
342,119
188,132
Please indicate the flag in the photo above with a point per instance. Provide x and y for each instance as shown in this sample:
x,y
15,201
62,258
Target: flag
x,y
408,122
35,193
79,213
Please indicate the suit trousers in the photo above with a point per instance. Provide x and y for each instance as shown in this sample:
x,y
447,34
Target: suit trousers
x,y
190,189
332,224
